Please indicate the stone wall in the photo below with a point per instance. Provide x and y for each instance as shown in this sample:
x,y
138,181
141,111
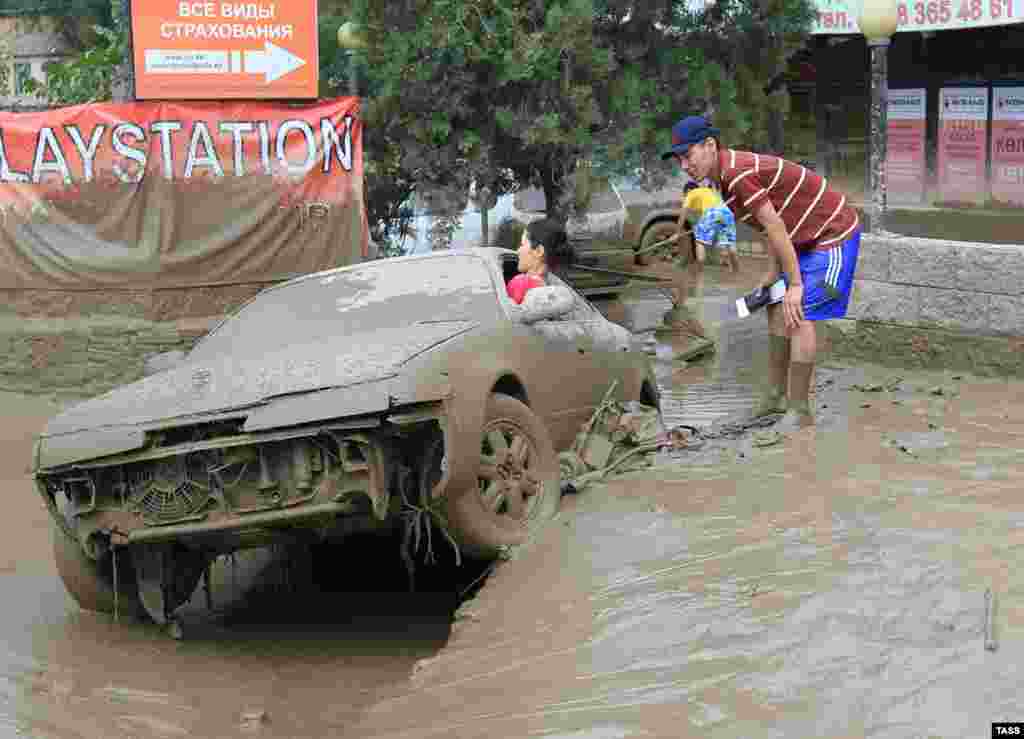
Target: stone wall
x,y
934,303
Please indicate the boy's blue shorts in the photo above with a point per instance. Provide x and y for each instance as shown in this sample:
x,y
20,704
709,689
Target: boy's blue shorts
x,y
717,227
828,279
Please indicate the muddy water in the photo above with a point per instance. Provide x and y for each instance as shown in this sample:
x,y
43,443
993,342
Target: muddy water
x,y
828,585
710,388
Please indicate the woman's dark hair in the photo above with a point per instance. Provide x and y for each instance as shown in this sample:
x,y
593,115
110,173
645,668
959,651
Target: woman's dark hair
x,y
550,234
508,234
691,185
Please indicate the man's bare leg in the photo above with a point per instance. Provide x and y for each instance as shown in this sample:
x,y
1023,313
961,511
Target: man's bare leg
x,y
801,373
774,394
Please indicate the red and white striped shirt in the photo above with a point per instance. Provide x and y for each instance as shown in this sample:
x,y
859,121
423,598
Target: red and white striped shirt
x,y
815,215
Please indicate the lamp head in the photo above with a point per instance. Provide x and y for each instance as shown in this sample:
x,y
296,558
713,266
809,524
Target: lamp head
x,y
878,19
350,37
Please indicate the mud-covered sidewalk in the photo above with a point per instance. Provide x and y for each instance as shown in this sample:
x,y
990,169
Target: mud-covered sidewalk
x,y
829,584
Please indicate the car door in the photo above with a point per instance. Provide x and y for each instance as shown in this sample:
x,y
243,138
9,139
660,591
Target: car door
x,y
567,369
596,362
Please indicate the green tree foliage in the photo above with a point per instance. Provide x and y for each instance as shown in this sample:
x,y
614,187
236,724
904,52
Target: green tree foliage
x,y
467,88
514,92
60,8
101,30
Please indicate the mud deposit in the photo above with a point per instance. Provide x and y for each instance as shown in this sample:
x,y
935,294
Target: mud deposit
x,y
831,584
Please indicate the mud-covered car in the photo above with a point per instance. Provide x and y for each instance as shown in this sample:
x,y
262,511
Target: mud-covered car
x,y
331,404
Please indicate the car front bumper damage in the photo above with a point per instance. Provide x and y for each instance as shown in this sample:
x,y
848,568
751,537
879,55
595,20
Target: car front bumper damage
x,y
247,489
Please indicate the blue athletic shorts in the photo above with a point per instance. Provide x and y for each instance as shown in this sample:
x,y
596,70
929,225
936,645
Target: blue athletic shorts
x,y
828,279
717,227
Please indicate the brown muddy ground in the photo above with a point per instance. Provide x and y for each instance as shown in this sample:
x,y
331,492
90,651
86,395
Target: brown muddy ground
x,y
828,585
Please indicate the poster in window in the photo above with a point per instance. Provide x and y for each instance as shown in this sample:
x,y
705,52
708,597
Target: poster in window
x,y
963,145
1008,146
905,159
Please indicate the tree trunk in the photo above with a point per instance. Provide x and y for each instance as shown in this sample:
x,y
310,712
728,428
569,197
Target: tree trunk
x,y
122,84
553,196
776,130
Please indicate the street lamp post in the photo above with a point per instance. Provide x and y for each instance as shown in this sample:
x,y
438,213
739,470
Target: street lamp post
x,y
878,22
351,40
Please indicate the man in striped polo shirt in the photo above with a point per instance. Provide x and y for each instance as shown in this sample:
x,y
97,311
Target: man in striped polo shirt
x,y
813,233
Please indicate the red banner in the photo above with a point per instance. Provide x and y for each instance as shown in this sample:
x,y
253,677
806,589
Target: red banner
x,y
161,194
963,118
905,161
1008,146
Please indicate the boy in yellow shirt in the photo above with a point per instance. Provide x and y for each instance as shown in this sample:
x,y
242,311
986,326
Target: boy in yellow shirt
x,y
715,223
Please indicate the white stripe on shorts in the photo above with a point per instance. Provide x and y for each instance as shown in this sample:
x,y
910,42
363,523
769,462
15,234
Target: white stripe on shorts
x,y
835,266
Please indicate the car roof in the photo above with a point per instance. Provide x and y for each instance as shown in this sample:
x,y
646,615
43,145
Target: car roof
x,y
479,252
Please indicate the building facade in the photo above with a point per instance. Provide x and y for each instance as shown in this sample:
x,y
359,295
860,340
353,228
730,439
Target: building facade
x,y
28,45
956,102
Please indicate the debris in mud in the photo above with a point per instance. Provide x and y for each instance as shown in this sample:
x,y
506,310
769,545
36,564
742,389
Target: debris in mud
x,y
766,438
889,385
990,607
254,719
699,347
681,437
736,429
614,435
902,447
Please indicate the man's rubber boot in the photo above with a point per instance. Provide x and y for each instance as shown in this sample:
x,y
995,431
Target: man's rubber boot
x,y
773,399
679,320
799,415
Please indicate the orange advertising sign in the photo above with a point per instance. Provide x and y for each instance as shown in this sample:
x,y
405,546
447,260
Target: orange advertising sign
x,y
217,49
153,195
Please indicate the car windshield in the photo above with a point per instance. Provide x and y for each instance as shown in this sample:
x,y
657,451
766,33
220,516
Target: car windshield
x,y
373,297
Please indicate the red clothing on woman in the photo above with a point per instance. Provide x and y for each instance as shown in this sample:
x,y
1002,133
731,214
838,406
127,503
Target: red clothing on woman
x,y
519,284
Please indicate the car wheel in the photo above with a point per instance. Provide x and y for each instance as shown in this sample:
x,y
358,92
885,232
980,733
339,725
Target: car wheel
x,y
656,232
91,582
517,481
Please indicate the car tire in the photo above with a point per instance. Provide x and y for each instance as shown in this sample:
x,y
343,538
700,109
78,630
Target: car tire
x,y
488,519
91,582
654,233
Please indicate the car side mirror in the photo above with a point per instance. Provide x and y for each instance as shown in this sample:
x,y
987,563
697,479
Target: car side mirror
x,y
161,362
546,303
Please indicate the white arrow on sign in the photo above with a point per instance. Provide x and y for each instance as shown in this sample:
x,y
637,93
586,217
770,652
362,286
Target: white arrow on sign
x,y
273,62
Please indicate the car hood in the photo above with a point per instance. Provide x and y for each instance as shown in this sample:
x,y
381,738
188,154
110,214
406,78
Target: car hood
x,y
228,383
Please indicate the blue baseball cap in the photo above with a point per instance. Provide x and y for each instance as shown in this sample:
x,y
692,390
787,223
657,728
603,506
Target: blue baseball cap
x,y
687,132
